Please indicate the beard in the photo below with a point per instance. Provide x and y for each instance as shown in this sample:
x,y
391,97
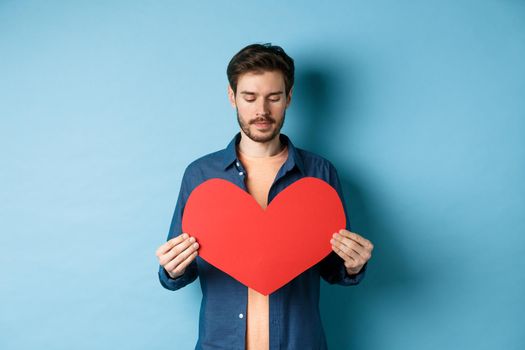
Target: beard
x,y
245,127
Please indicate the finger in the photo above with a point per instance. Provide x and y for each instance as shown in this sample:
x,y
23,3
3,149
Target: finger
x,y
349,252
182,266
340,253
194,246
175,251
177,267
351,262
163,249
352,245
173,264
346,258
354,255
363,254
357,238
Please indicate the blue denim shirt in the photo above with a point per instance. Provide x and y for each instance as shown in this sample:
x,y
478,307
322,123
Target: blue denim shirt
x,y
295,321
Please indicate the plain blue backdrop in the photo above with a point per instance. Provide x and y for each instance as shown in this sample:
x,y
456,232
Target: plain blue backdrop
x,y
419,104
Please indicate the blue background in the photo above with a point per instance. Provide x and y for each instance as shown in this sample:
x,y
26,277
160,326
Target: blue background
x,y
419,104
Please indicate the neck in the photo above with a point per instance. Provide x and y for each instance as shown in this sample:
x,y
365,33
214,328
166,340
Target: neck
x,y
260,149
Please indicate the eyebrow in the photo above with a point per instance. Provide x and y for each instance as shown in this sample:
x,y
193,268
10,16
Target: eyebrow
x,y
244,92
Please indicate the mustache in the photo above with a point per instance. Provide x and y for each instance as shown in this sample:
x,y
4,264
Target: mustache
x,y
262,119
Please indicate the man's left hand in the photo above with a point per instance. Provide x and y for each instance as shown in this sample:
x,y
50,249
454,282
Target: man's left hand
x,y
353,249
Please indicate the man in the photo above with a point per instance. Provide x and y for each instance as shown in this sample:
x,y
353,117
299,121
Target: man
x,y
263,162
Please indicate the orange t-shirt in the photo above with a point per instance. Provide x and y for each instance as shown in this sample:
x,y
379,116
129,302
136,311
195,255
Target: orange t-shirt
x,y
260,174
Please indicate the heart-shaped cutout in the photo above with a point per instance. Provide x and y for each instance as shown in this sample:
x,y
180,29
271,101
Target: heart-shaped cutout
x,y
263,249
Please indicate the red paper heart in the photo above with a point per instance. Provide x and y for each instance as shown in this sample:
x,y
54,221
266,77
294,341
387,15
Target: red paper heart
x,y
263,249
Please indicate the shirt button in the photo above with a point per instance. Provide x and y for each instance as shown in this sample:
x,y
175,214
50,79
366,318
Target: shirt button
x,y
237,163
240,173
241,316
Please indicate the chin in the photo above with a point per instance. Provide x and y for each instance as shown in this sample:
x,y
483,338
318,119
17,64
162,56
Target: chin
x,y
263,137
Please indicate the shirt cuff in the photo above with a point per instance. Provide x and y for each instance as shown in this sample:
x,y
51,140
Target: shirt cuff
x,y
349,280
171,283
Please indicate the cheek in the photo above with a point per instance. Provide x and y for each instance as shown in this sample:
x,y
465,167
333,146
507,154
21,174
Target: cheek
x,y
244,113
278,109
244,108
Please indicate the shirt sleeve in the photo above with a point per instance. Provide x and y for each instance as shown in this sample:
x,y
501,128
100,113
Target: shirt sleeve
x,y
332,267
191,272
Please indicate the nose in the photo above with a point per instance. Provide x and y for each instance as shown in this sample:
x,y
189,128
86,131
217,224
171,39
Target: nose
x,y
262,108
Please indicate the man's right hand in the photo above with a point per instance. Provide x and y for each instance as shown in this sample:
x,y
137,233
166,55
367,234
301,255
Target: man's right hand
x,y
177,253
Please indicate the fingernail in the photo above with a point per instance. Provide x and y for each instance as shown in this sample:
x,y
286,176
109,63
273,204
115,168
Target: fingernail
x,y
196,245
192,239
184,235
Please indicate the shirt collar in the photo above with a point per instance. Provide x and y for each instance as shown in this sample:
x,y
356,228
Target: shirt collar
x,y
294,158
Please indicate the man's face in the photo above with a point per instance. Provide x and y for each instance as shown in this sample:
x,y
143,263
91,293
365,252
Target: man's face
x,y
261,104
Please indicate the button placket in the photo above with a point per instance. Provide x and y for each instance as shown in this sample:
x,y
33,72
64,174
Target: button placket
x,y
239,168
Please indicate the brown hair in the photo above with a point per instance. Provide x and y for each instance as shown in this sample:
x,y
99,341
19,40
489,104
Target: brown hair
x,y
261,58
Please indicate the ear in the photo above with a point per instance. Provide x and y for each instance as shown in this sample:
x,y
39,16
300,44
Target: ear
x,y
231,96
289,97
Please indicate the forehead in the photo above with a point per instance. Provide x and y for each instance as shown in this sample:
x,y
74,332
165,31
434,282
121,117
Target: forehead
x,y
266,81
